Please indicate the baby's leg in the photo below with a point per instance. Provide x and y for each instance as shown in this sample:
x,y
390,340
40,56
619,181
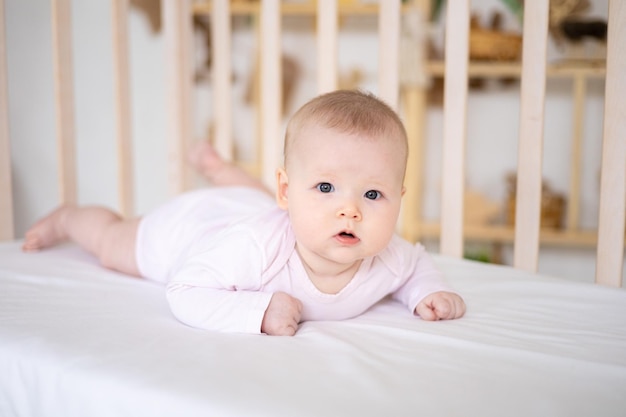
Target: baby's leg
x,y
98,230
219,172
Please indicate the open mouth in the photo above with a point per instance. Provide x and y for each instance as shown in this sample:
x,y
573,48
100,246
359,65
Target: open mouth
x,y
347,238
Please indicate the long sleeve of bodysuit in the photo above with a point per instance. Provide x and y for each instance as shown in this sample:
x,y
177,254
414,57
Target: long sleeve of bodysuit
x,y
424,278
218,287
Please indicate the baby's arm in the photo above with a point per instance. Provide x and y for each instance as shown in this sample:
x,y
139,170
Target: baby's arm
x,y
214,290
426,292
235,310
441,305
212,308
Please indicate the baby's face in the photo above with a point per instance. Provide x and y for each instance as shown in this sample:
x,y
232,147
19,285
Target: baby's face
x,y
343,194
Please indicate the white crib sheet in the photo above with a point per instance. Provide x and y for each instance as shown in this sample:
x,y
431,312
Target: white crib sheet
x,y
78,340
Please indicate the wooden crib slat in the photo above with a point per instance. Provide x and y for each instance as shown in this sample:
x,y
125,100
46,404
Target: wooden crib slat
x,y
573,206
176,17
271,88
414,99
528,204
222,72
6,192
388,51
610,256
64,98
327,28
125,182
454,130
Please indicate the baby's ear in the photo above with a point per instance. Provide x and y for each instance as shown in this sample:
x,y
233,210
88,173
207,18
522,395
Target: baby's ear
x,y
282,184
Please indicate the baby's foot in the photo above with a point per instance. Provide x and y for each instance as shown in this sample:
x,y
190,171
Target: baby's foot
x,y
205,160
47,231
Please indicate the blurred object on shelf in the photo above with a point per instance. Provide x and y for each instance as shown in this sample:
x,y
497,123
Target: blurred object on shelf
x,y
515,6
351,80
578,36
152,10
291,72
493,43
576,30
479,209
552,204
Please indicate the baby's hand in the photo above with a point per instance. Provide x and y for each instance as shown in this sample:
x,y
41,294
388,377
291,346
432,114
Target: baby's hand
x,y
282,315
441,306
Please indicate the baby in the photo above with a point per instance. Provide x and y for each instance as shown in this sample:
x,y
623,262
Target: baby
x,y
235,259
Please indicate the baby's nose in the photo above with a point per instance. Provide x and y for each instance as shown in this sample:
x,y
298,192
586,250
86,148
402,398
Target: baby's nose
x,y
350,212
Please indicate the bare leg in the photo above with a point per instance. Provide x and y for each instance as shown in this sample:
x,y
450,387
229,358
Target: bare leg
x,y
208,163
98,230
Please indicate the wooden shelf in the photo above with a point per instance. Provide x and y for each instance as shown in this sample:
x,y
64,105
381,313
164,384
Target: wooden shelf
x,y
577,70
309,8
558,69
506,234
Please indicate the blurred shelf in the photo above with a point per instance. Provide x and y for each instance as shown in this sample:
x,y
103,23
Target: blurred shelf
x,y
305,8
557,69
506,234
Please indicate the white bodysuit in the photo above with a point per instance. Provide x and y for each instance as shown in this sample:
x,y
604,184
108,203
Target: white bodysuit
x,y
223,252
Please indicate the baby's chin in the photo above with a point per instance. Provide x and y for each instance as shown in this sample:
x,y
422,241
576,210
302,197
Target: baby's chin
x,y
348,256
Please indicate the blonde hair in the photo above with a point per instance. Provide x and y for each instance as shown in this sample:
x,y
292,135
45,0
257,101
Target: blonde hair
x,y
347,111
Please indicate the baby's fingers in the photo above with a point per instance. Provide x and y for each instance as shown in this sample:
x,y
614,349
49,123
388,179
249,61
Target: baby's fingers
x,y
441,306
448,307
425,312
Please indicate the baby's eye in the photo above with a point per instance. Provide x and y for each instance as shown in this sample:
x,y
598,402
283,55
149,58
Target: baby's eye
x,y
373,194
325,187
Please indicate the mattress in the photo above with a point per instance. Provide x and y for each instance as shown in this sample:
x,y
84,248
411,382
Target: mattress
x,y
79,340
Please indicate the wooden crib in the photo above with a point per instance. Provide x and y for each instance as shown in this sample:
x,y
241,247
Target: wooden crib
x,y
177,24
531,118
515,353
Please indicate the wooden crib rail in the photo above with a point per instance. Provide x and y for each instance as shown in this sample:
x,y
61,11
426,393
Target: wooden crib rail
x,y
271,88
222,70
327,32
530,154
6,191
531,132
610,258
177,30
610,250
454,128
121,73
270,105
64,98
177,23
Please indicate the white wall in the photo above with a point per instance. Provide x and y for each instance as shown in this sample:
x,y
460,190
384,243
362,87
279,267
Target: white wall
x,y
31,110
492,121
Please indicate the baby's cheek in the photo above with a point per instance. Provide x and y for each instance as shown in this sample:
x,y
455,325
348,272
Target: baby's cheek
x,y
383,234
